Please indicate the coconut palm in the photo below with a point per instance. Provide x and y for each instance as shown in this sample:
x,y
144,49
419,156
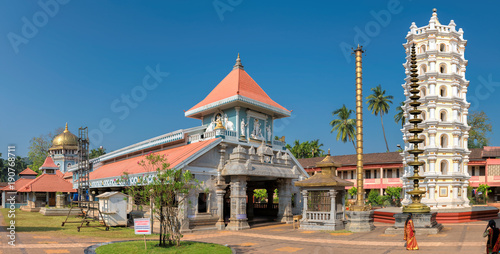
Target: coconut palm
x,y
344,125
400,115
378,103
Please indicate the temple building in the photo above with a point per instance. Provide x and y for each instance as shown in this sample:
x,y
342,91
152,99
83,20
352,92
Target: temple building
x,y
232,153
64,150
441,71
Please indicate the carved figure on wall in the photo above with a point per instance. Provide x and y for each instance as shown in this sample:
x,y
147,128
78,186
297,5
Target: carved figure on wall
x,y
257,131
269,133
228,124
211,126
243,126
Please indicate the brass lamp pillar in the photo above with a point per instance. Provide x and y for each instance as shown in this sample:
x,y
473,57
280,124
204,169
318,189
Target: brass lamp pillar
x,y
360,199
416,193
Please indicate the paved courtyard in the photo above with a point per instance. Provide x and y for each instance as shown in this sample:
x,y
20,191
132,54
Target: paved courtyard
x,y
281,238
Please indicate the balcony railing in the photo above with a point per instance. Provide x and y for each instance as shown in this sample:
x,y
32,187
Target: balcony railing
x,y
318,216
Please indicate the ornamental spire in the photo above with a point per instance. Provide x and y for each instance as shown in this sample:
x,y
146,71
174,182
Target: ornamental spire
x,y
238,64
66,129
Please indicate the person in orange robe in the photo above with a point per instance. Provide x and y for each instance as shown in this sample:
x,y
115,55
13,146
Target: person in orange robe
x,y
493,234
411,242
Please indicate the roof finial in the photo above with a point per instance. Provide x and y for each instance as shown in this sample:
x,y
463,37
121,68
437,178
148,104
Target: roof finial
x,y
238,64
328,151
66,129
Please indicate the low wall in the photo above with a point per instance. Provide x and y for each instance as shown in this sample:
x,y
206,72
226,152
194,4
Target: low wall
x,y
58,211
476,213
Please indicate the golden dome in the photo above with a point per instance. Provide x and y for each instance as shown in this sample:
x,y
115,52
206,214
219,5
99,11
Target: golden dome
x,y
65,140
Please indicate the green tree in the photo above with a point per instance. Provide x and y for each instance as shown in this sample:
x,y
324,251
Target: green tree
x,y
480,126
394,193
484,189
373,197
344,125
307,149
353,191
378,103
20,164
400,115
39,149
260,195
166,190
94,153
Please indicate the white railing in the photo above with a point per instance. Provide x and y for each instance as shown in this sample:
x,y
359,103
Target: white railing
x,y
318,216
212,134
279,143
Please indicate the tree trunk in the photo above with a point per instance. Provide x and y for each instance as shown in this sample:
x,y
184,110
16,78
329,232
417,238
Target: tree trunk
x,y
383,130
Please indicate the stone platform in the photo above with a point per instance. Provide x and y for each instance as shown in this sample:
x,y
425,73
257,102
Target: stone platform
x,y
460,215
359,221
425,224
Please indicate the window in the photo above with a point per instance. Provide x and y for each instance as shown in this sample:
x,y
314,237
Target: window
x,y
473,171
442,91
482,171
422,49
368,174
443,116
352,174
318,201
69,165
375,173
202,203
388,173
422,145
423,115
397,173
444,167
444,141
423,92
423,69
442,68
442,47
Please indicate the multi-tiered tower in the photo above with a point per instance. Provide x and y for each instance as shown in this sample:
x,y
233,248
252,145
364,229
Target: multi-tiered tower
x,y
441,71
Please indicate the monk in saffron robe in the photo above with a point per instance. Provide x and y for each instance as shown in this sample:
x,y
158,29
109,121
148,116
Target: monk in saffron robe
x,y
411,242
493,234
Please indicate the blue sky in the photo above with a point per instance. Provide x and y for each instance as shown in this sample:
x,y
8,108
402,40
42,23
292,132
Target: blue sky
x,y
83,56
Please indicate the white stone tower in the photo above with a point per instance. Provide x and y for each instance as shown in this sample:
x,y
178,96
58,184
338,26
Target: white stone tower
x,y
441,68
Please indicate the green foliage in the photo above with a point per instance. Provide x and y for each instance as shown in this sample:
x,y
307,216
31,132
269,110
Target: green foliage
x,y
308,149
378,103
165,190
276,198
373,197
400,115
384,200
137,247
94,153
260,195
353,191
344,125
394,194
19,164
480,126
39,149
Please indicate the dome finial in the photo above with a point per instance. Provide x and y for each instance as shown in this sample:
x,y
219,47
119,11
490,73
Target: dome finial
x,y
328,151
238,64
66,129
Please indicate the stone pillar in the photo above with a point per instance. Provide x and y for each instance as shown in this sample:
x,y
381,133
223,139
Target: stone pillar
x,y
238,220
60,200
238,132
285,201
220,225
183,213
343,203
304,206
333,208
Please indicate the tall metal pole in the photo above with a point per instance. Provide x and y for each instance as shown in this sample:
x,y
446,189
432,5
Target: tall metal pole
x,y
360,200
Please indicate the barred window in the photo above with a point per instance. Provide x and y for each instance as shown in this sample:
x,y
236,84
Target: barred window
x,y
318,201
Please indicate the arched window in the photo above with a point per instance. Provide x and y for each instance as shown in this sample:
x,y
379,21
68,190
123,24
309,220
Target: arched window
x,y
442,116
423,92
58,165
444,167
423,114
444,141
459,117
442,47
423,69
69,165
442,91
442,68
422,49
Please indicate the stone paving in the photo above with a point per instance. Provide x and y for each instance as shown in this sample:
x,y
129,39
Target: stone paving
x,y
281,238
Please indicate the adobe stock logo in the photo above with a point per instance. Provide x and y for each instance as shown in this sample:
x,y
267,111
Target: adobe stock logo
x,y
372,28
29,29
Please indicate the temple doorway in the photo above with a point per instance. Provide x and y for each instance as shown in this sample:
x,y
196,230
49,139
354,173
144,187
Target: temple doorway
x,y
262,202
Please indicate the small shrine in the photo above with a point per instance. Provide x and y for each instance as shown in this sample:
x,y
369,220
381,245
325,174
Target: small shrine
x,y
324,197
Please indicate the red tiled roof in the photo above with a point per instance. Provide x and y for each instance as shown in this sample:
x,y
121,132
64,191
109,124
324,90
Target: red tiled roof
x,y
28,172
348,160
17,184
68,175
491,152
174,156
238,82
49,163
48,183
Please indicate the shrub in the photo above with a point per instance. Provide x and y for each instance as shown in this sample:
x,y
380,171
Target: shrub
x,y
373,197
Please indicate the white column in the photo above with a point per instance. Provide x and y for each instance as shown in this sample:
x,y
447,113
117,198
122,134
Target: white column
x,y
432,88
304,205
333,211
238,134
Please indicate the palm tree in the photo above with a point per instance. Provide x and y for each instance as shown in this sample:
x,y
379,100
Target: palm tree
x,y
378,103
400,115
344,125
315,148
